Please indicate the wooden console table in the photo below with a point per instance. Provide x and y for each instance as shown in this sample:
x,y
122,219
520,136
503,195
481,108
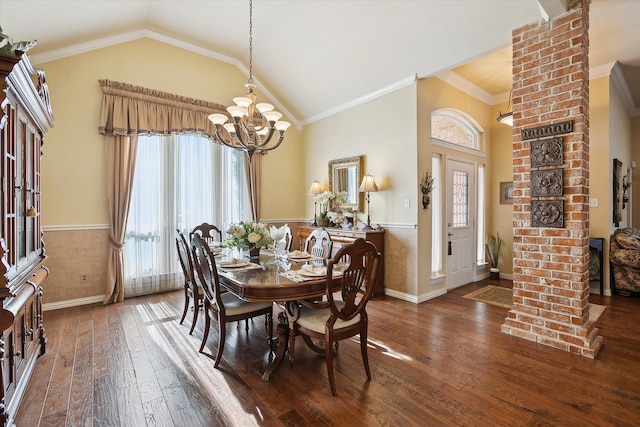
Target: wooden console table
x,y
340,236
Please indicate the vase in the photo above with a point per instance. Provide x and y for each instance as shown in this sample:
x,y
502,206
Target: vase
x,y
322,222
494,273
254,254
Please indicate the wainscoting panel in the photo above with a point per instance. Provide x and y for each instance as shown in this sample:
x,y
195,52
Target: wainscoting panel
x,y
72,253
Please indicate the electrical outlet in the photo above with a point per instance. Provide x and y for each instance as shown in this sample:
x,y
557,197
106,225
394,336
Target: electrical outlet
x,y
593,202
83,277
407,203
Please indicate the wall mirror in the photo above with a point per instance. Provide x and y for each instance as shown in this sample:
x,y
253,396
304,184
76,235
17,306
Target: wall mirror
x,y
345,175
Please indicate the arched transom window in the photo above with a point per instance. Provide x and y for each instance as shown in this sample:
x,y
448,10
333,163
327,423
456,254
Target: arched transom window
x,y
455,127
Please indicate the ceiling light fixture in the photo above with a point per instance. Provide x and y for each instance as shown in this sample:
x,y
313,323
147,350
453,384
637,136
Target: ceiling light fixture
x,y
506,118
250,130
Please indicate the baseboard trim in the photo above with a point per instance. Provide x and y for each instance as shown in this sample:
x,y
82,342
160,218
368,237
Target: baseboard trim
x,y
72,303
416,299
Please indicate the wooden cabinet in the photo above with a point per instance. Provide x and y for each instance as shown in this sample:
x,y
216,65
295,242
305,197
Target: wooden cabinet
x,y
340,236
25,116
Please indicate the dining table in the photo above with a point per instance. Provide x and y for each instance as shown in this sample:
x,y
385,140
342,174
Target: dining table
x,y
283,280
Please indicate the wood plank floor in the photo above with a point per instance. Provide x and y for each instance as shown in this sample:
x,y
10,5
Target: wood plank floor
x,y
442,362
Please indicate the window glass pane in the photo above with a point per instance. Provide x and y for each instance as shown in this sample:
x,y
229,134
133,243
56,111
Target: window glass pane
x,y
481,214
180,181
436,218
460,199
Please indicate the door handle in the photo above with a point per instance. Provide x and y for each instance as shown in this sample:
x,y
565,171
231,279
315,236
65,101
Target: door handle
x,y
450,234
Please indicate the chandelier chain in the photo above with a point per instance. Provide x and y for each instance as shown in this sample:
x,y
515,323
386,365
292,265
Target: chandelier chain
x,y
251,41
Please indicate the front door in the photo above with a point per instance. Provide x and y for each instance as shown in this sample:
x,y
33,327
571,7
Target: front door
x,y
460,222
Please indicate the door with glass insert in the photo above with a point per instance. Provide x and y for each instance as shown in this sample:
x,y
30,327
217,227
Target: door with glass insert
x,y
460,223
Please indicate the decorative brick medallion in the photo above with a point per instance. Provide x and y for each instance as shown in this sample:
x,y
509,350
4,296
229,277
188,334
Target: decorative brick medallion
x,y
546,183
546,152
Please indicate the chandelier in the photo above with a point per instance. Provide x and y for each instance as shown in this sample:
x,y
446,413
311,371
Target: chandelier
x,y
252,125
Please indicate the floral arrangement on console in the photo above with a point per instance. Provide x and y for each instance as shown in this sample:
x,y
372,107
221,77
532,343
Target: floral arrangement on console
x,y
249,236
426,186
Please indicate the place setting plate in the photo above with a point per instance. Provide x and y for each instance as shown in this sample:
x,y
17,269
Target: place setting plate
x,y
237,263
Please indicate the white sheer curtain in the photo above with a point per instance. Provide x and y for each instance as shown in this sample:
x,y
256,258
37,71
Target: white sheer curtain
x,y
181,181
436,217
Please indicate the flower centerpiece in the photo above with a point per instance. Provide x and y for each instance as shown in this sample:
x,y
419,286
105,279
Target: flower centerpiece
x,y
249,236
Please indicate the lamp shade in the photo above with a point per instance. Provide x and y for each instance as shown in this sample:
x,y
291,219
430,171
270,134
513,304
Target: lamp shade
x,y
315,188
506,119
368,184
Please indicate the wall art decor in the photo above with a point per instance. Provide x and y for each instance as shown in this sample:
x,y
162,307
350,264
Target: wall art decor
x,y
617,196
506,193
546,152
546,183
547,213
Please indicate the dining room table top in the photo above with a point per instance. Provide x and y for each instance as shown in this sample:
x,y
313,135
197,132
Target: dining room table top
x,y
267,280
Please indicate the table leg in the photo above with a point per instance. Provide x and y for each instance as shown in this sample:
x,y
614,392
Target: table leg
x,y
283,342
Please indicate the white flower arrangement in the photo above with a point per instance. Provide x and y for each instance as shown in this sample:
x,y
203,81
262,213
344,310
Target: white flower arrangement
x,y
249,235
323,199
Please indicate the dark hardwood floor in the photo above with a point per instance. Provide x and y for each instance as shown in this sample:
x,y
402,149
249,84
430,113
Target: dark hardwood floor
x,y
442,362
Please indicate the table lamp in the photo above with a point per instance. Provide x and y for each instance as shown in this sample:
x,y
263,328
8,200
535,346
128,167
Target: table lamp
x,y
314,190
368,185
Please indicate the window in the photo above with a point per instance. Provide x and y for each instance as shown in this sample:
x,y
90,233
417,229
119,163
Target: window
x,y
436,218
180,181
482,205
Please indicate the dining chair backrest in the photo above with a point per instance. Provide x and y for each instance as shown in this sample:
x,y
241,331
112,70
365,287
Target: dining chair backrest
x,y
319,243
358,279
185,258
192,291
205,267
287,240
209,232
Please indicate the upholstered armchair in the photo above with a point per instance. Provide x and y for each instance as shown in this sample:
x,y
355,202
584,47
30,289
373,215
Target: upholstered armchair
x,y
624,256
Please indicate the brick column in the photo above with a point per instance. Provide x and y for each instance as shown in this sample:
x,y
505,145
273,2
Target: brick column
x,y
550,265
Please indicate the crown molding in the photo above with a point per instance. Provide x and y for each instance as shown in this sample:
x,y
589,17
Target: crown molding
x,y
623,89
467,87
103,42
363,99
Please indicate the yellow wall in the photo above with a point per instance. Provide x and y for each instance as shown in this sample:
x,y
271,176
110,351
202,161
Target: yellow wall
x,y
500,169
635,156
74,202
434,94
384,132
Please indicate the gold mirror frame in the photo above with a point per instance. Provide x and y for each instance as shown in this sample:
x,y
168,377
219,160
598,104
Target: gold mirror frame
x,y
345,175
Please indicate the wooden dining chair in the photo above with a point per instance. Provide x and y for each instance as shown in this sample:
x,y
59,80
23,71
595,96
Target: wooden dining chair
x,y
209,232
192,289
319,243
334,320
224,306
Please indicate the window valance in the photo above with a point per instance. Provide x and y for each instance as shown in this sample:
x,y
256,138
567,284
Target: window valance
x,y
131,110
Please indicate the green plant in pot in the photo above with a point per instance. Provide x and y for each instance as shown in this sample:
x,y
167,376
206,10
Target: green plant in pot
x,y
492,245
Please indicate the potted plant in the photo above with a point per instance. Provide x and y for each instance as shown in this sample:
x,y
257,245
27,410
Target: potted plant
x,y
324,200
426,187
492,246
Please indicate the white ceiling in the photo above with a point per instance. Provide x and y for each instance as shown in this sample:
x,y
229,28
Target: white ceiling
x,y
318,56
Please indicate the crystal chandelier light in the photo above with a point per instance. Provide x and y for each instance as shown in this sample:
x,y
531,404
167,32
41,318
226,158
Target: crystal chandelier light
x,y
252,125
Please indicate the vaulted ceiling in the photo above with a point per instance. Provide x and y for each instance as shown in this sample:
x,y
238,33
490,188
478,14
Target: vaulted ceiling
x,y
316,57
